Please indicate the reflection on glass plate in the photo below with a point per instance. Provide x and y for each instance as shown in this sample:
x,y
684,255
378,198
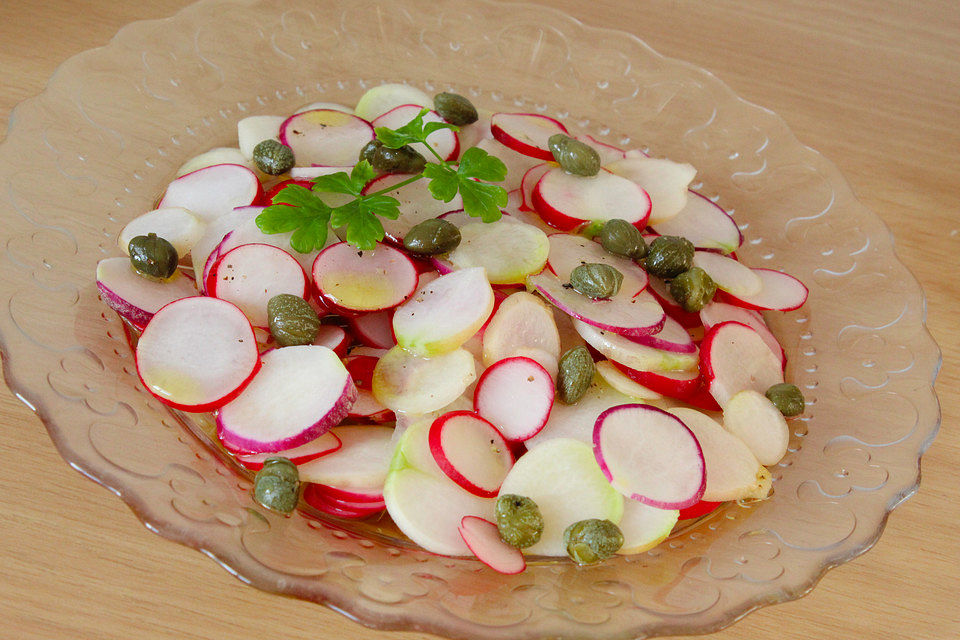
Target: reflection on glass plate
x,y
100,143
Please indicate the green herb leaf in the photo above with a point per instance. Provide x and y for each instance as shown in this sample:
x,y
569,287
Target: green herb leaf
x,y
364,230
444,182
477,163
430,127
340,182
383,206
482,200
299,210
312,236
407,134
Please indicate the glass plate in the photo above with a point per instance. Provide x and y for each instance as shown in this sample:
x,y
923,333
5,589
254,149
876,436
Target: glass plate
x,y
98,146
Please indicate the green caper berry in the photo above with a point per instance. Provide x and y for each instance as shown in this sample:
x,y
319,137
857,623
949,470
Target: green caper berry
x,y
277,485
621,238
787,398
596,280
406,159
575,374
518,520
292,320
693,289
574,156
669,256
591,541
153,257
455,109
273,157
431,237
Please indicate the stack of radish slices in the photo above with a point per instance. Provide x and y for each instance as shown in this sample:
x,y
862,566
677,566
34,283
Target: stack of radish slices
x,y
429,390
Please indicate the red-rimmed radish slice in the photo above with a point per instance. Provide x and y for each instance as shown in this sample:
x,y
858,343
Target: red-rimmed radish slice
x,y
197,354
644,527
673,384
517,163
650,456
728,274
375,329
631,354
300,174
567,252
672,337
213,191
325,137
635,316
526,133
253,130
734,357
251,274
779,292
608,153
411,384
702,508
443,141
335,106
509,251
247,232
704,223
367,408
283,184
325,504
416,204
359,466
381,98
474,133
334,338
515,395
521,322
750,416
529,182
482,537
215,232
361,368
176,225
566,201
623,383
354,496
134,297
217,155
576,420
354,280
470,451
319,491
661,291
665,181
717,312
327,443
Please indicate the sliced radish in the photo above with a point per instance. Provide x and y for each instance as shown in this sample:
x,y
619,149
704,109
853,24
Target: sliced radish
x,y
408,383
336,106
325,504
734,358
334,338
516,395
779,292
517,163
310,173
217,155
325,136
562,477
674,384
197,354
576,420
253,130
359,466
704,223
470,451
631,354
367,408
327,443
474,133
751,416
381,98
566,201
251,274
509,251
375,329
214,233
672,337
213,191
529,182
526,133
730,275
443,141
717,312
665,181
176,225
661,291
133,296
322,493
649,455
350,495
608,153
416,204
353,280
521,322
247,232
482,537
644,527
568,252
623,383
300,393
702,508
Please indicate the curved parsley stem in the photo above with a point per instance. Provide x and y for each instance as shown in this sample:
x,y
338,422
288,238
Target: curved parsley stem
x,y
395,186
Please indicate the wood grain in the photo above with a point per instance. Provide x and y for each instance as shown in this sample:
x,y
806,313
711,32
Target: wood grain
x,y
873,85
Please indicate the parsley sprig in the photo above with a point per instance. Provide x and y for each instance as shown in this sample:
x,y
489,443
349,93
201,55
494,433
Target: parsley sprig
x,y
308,216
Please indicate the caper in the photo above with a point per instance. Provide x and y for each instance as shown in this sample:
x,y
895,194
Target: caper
x,y
292,320
519,520
574,156
455,109
575,374
277,485
272,157
406,159
596,280
669,256
787,398
432,236
693,289
621,238
591,541
153,257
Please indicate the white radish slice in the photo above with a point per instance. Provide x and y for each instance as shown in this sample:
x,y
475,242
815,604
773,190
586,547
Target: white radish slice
x,y
133,296
482,537
508,250
445,313
355,496
247,232
548,361
309,173
526,133
332,337
566,201
470,451
608,153
251,274
779,292
567,252
562,477
665,181
517,164
176,225
367,407
521,322
371,280
649,455
516,395
644,527
733,473
660,290
672,337
217,155
472,134
703,223
674,384
334,106
624,384
359,466
299,393
751,416
576,420
197,354
734,357
253,130
728,274
634,316
631,354
443,141
529,182
326,137
375,329
382,98
408,383
214,233
416,204
327,443
213,191
717,312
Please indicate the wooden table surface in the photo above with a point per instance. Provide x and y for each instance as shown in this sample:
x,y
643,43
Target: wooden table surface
x,y
872,84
